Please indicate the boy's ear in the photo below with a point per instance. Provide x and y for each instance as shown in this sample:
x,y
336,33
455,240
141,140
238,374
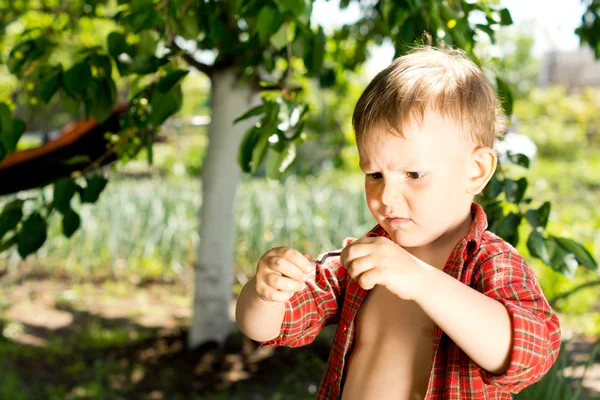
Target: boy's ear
x,y
483,166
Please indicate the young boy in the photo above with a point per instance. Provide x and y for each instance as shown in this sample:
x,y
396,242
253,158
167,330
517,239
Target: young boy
x,y
429,304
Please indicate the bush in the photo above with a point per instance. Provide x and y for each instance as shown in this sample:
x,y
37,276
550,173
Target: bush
x,y
561,124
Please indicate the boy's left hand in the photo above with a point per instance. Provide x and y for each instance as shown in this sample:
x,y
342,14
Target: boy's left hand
x,y
379,261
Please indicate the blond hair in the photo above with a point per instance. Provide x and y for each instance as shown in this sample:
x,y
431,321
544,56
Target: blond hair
x,y
444,79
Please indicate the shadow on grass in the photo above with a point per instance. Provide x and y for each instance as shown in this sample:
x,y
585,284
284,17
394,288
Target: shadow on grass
x,y
114,358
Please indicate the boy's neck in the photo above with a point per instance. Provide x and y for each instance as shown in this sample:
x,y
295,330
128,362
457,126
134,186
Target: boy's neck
x,y
437,252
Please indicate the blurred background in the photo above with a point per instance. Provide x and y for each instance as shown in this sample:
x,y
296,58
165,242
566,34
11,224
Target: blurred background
x,y
106,312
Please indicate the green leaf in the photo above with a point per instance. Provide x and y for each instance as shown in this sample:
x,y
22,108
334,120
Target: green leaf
x,y
100,98
494,213
246,146
268,23
32,235
164,105
147,42
171,79
64,189
564,261
519,159
260,151
539,218
582,256
490,32
515,190
77,78
506,96
95,186
505,17
508,228
10,217
493,188
318,52
190,27
258,110
11,131
279,160
284,35
296,7
23,52
116,44
76,160
50,84
5,117
70,223
103,65
536,243
144,64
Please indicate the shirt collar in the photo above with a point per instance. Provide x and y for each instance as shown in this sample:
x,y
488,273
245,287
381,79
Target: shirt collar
x,y
475,234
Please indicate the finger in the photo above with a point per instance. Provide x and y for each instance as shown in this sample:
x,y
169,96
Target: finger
x,y
359,266
354,251
296,258
288,269
370,278
280,282
270,294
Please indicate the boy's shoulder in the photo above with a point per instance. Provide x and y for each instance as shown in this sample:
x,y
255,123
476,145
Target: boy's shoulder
x,y
492,244
494,251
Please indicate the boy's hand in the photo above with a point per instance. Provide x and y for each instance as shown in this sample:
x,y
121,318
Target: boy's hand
x,y
379,261
281,273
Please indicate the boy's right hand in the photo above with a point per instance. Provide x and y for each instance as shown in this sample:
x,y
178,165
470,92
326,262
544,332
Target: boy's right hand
x,y
280,273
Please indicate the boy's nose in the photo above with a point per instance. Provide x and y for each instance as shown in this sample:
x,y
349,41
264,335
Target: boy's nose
x,y
392,195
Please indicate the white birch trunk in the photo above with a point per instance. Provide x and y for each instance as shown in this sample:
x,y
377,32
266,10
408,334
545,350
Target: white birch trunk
x,y
220,175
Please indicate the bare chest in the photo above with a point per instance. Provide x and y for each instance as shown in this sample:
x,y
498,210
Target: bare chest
x,y
383,315
393,350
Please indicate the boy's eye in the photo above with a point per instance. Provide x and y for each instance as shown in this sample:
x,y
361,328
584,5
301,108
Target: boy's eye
x,y
375,175
414,175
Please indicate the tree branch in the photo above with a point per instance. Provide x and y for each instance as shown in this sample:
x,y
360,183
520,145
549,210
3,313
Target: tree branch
x,y
206,69
568,293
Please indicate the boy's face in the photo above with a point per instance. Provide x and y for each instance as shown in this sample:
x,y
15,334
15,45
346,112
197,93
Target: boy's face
x,y
416,186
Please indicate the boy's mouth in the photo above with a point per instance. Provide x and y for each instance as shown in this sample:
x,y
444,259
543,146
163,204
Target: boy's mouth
x,y
396,221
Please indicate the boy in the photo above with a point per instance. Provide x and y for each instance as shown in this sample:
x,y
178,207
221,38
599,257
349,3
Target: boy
x,y
429,304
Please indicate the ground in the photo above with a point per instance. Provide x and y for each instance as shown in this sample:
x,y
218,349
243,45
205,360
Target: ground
x,y
114,339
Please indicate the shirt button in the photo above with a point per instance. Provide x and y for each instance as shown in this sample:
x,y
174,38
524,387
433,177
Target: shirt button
x,y
334,377
343,326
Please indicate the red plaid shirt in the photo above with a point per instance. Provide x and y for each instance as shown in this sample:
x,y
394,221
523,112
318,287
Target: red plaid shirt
x,y
482,261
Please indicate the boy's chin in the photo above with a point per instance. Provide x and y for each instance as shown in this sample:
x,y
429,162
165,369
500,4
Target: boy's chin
x,y
408,240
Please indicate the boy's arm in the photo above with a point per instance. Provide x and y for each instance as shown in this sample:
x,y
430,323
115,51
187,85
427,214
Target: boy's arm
x,y
508,328
310,310
258,319
297,320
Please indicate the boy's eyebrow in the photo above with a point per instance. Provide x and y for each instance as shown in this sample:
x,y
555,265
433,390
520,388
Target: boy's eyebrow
x,y
395,166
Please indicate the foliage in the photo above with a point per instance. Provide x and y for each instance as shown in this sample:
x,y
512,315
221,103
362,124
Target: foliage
x,y
507,207
269,43
509,56
560,124
149,42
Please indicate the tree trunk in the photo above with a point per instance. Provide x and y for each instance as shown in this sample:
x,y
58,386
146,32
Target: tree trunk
x,y
220,175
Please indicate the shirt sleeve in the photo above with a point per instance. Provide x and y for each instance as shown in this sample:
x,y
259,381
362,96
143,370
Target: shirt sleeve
x,y
311,309
506,278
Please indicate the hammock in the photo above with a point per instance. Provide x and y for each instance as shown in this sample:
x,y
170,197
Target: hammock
x,y
81,140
